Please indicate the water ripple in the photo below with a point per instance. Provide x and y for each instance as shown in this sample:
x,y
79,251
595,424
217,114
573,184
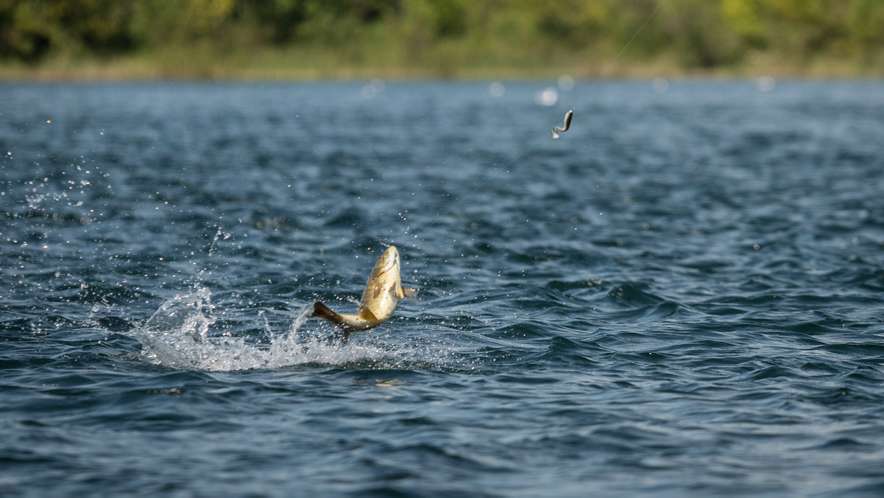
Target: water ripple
x,y
686,289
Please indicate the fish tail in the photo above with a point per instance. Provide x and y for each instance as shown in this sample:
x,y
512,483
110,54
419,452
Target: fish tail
x,y
322,311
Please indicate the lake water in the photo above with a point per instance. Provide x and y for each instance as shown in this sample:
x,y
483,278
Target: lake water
x,y
684,295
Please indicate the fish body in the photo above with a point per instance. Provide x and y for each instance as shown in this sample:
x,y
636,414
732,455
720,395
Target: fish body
x,y
566,125
382,293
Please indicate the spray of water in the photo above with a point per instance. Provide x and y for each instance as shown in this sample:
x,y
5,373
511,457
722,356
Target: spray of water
x,y
180,335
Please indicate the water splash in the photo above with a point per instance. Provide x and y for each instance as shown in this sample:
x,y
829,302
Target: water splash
x,y
300,319
219,234
180,335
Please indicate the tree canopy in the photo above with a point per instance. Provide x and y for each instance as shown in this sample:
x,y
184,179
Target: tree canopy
x,y
699,34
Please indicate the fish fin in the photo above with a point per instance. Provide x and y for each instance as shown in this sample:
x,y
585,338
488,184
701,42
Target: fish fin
x,y
366,314
404,292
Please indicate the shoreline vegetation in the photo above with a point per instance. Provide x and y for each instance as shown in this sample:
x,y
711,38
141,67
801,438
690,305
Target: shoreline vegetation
x,y
147,68
108,40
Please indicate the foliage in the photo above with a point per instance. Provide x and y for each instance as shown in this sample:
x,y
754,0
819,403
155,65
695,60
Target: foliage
x,y
696,33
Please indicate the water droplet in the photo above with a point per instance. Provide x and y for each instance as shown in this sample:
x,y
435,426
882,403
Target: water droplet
x,y
661,85
496,89
547,97
566,82
765,84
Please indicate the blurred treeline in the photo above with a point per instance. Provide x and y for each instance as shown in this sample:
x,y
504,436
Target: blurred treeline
x,y
444,37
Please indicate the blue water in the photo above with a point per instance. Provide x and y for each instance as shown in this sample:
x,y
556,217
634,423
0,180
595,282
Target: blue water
x,y
684,295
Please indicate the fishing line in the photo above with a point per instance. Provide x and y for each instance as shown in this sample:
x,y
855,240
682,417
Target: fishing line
x,y
640,28
648,19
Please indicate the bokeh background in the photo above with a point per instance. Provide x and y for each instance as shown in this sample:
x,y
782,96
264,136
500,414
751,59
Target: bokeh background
x,y
303,39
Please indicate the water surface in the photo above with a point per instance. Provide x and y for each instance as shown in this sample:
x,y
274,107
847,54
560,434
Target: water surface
x,y
681,296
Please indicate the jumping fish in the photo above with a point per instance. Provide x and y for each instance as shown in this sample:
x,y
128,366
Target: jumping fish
x,y
566,125
379,299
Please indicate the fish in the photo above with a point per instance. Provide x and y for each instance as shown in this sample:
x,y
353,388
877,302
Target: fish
x,y
566,125
382,293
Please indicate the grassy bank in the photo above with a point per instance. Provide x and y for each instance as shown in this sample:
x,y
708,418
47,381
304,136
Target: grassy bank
x,y
318,63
